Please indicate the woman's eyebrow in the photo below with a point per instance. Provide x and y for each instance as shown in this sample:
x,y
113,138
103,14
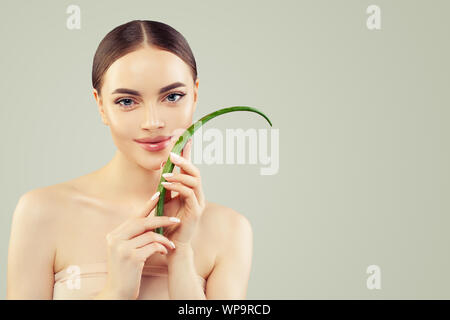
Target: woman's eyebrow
x,y
137,93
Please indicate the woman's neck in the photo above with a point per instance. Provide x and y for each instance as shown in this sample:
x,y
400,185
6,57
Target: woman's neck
x,y
127,180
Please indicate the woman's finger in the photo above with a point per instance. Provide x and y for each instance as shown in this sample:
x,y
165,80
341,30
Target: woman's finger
x,y
149,205
141,225
187,180
148,237
152,213
149,249
186,153
185,165
187,193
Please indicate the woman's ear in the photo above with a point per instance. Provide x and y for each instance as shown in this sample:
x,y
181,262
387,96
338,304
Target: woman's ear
x,y
99,101
195,94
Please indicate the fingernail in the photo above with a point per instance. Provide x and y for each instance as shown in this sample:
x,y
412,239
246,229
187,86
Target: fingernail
x,y
155,196
175,156
167,174
165,183
174,219
172,244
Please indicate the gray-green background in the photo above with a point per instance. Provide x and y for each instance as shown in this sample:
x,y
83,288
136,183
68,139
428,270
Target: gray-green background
x,y
362,117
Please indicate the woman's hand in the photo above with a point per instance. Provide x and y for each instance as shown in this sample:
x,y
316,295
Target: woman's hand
x,y
189,203
129,245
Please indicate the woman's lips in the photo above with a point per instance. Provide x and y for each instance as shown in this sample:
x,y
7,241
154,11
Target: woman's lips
x,y
155,146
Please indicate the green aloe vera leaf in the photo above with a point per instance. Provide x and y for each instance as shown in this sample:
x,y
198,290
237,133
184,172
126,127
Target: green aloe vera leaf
x,y
183,139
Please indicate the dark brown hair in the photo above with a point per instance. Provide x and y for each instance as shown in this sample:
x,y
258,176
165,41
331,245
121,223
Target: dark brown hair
x,y
133,35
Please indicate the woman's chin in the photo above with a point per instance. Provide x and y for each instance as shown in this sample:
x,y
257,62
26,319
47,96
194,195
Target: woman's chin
x,y
152,166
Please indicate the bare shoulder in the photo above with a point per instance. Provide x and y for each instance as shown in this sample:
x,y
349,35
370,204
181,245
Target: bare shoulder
x,y
39,215
36,201
40,205
222,215
46,196
220,222
32,245
232,238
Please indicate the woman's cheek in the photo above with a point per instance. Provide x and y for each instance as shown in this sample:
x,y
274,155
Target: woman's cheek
x,y
118,137
123,118
123,130
180,117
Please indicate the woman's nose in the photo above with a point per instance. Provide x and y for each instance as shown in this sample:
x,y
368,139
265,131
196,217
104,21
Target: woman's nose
x,y
152,120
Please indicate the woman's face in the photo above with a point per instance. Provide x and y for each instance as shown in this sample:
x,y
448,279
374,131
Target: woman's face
x,y
147,112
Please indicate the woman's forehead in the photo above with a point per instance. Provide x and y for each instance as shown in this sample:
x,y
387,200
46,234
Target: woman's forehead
x,y
146,69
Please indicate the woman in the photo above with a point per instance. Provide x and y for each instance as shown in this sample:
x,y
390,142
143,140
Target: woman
x,y
92,237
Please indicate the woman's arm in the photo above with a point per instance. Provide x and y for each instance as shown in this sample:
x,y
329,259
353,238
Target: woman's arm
x,y
231,272
183,279
31,249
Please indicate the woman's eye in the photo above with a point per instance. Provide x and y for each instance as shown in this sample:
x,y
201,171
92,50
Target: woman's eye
x,y
175,94
126,100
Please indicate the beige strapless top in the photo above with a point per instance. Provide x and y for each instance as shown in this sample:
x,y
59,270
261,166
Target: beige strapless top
x,y
87,280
